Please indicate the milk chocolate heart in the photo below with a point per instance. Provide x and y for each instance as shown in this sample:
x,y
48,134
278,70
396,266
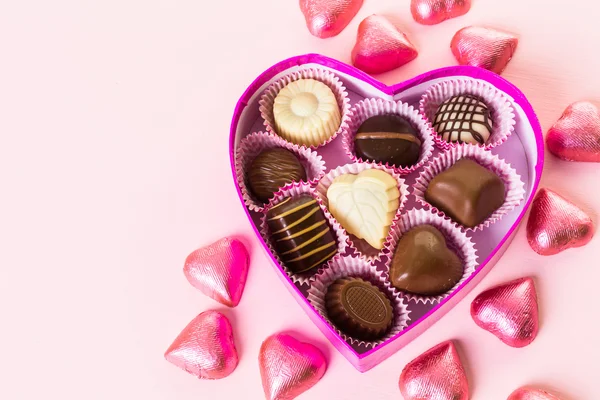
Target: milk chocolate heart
x,y
423,264
205,348
219,270
527,393
327,18
509,311
431,12
436,374
381,46
576,135
289,367
555,224
484,47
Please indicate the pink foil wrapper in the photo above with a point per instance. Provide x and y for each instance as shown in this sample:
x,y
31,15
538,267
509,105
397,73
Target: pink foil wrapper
x,y
368,108
327,18
294,190
530,393
456,240
482,47
328,78
253,144
509,311
576,134
500,105
361,246
346,266
205,348
219,270
432,12
514,186
289,367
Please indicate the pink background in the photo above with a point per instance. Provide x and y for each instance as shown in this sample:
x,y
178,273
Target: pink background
x,y
115,119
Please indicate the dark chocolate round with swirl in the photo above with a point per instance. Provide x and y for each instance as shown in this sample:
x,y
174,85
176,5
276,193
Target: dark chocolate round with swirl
x,y
358,308
273,169
463,119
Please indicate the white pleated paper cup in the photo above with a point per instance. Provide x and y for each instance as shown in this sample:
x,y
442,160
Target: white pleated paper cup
x,y
498,102
360,245
456,240
347,266
252,145
295,190
368,108
267,101
514,188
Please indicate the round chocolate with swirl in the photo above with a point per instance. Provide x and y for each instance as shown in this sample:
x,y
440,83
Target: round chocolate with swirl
x,y
388,139
463,119
272,169
359,308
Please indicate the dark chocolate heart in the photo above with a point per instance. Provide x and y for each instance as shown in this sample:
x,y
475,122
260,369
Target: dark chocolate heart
x,y
423,264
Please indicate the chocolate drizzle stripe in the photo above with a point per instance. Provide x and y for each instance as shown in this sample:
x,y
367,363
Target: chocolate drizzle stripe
x,y
312,252
327,257
302,232
299,247
290,226
293,210
387,135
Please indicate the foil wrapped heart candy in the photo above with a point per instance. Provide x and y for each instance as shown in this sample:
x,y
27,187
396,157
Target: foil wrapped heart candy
x,y
436,374
205,348
381,46
555,224
431,12
527,393
509,311
327,18
576,135
219,270
484,47
289,367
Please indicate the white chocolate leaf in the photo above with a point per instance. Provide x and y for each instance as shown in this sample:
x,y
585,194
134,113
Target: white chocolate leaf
x,y
365,204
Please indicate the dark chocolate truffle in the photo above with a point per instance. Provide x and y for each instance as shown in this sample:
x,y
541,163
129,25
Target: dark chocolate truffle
x,y
388,139
300,233
423,264
467,192
272,169
463,119
358,308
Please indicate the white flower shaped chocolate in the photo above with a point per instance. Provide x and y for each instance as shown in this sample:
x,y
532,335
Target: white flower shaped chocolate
x,y
365,204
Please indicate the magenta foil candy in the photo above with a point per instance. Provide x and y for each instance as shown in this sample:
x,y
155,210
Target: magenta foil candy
x,y
219,270
381,46
576,135
327,18
205,348
484,47
436,374
431,12
289,367
527,393
509,311
555,224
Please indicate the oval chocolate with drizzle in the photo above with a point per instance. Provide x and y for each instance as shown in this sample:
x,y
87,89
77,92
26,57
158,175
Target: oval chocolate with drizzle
x,y
463,119
271,170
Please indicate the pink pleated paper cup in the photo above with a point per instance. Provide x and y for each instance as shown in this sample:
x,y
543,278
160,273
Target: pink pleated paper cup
x,y
368,108
513,185
267,100
348,266
456,240
499,104
255,143
294,190
359,245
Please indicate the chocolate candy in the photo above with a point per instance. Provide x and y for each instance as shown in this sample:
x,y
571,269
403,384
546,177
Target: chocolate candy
x,y
300,233
388,139
423,264
272,169
358,308
463,119
467,192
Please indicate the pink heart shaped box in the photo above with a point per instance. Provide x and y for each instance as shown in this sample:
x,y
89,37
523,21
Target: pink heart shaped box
x,y
524,150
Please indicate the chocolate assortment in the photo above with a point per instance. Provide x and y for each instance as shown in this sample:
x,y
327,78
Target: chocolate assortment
x,y
365,211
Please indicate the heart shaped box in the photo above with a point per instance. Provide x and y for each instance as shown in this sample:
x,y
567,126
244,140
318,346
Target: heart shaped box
x,y
523,150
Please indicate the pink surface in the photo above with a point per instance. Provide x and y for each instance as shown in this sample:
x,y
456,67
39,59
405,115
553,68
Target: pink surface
x,y
115,121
